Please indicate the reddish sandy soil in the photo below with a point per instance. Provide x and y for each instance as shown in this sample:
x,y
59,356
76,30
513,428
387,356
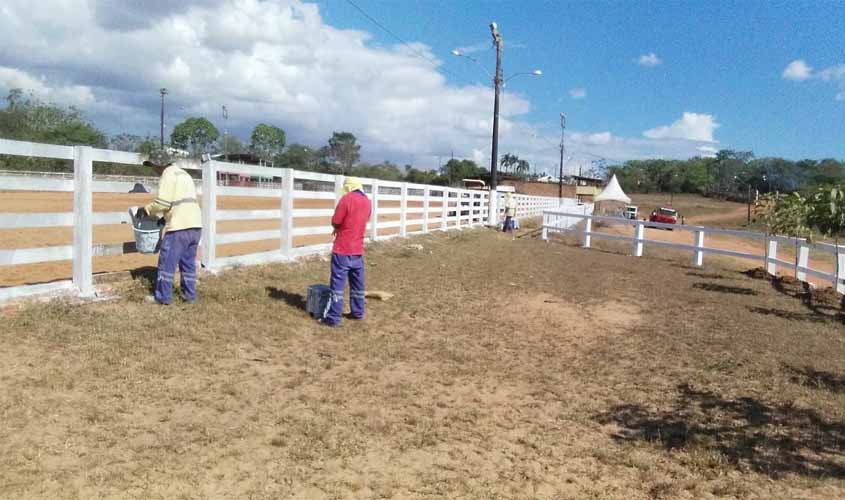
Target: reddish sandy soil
x,y
820,261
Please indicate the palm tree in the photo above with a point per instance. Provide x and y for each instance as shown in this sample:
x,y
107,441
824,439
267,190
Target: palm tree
x,y
508,161
522,167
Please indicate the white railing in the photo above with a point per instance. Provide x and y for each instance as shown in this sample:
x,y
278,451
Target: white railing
x,y
399,209
566,222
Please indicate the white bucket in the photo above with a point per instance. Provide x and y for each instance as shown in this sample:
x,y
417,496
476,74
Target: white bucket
x,y
146,240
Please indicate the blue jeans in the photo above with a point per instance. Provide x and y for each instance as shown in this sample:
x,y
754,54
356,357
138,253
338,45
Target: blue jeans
x,y
343,266
178,248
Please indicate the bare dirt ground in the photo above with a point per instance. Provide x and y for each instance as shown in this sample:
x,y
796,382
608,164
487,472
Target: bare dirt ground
x,y
501,369
46,202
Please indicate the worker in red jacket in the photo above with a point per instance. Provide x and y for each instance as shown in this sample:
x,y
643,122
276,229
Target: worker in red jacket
x,y
350,223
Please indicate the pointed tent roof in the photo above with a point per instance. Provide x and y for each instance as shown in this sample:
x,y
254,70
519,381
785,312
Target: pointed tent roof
x,y
612,192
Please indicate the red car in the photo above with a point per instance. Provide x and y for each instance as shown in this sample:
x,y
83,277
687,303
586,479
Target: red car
x,y
664,215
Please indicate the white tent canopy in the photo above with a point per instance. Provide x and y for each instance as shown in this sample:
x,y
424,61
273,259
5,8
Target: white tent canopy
x,y
612,192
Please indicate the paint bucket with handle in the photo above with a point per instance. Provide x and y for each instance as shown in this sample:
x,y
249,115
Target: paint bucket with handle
x,y
147,232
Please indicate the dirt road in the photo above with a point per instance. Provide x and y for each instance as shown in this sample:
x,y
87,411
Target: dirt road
x,y
820,261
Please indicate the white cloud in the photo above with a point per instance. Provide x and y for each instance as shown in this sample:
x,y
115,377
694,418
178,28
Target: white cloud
x,y
77,95
691,126
649,60
578,93
592,139
797,71
276,62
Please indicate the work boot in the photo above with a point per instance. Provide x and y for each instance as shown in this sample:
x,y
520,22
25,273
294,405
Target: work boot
x,y
150,299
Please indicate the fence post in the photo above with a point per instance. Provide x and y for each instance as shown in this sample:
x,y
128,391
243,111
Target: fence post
x,y
639,231
698,258
545,230
803,260
772,252
458,209
588,228
209,211
338,189
840,256
425,209
287,212
374,212
83,233
444,223
403,211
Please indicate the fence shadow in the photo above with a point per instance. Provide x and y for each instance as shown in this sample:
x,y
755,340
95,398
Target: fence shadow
x,y
801,290
715,287
816,379
148,274
770,439
811,316
296,300
709,276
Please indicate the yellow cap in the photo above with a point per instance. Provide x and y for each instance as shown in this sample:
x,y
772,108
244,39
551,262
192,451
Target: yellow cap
x,y
352,184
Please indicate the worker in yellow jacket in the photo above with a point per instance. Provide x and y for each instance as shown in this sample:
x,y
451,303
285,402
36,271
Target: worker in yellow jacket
x,y
177,203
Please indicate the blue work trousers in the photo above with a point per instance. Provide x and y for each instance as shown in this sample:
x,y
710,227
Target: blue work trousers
x,y
343,266
178,248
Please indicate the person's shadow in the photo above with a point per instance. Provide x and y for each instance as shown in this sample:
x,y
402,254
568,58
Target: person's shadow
x,y
292,299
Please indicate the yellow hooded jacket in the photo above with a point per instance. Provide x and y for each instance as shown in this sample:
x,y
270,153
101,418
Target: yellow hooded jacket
x,y
176,201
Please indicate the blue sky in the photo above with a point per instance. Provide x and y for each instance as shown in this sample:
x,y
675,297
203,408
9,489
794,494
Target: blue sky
x,y
635,79
720,58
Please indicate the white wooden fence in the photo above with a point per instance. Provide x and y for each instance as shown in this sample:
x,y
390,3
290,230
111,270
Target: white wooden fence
x,y
399,209
566,222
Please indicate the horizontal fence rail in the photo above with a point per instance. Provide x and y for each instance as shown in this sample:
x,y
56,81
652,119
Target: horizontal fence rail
x,y
296,207
559,221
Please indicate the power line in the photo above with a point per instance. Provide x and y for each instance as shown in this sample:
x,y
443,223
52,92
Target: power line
x,y
400,40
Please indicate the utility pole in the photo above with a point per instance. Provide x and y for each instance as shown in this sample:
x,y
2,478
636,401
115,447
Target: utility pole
x,y
493,214
225,133
748,200
562,149
163,92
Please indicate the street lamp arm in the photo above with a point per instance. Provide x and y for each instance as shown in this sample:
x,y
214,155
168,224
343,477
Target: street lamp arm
x,y
536,72
458,53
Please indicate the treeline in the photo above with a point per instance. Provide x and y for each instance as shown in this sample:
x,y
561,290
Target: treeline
x,y
731,174
26,118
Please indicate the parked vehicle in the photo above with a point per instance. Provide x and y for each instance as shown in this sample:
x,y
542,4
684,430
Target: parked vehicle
x,y
630,212
664,215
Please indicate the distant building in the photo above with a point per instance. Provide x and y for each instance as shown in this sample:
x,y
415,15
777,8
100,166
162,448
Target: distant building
x,y
235,179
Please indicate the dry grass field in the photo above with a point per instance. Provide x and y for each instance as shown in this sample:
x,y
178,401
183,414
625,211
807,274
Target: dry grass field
x,y
501,369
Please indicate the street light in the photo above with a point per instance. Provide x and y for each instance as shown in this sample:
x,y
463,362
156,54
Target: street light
x,y
536,72
163,92
493,213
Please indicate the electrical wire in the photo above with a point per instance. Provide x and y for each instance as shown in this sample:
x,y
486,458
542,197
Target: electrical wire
x,y
414,51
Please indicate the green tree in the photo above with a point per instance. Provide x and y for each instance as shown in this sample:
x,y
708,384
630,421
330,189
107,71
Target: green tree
x,y
342,152
522,168
27,118
508,161
386,171
229,145
418,176
826,214
196,135
454,171
267,141
297,156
